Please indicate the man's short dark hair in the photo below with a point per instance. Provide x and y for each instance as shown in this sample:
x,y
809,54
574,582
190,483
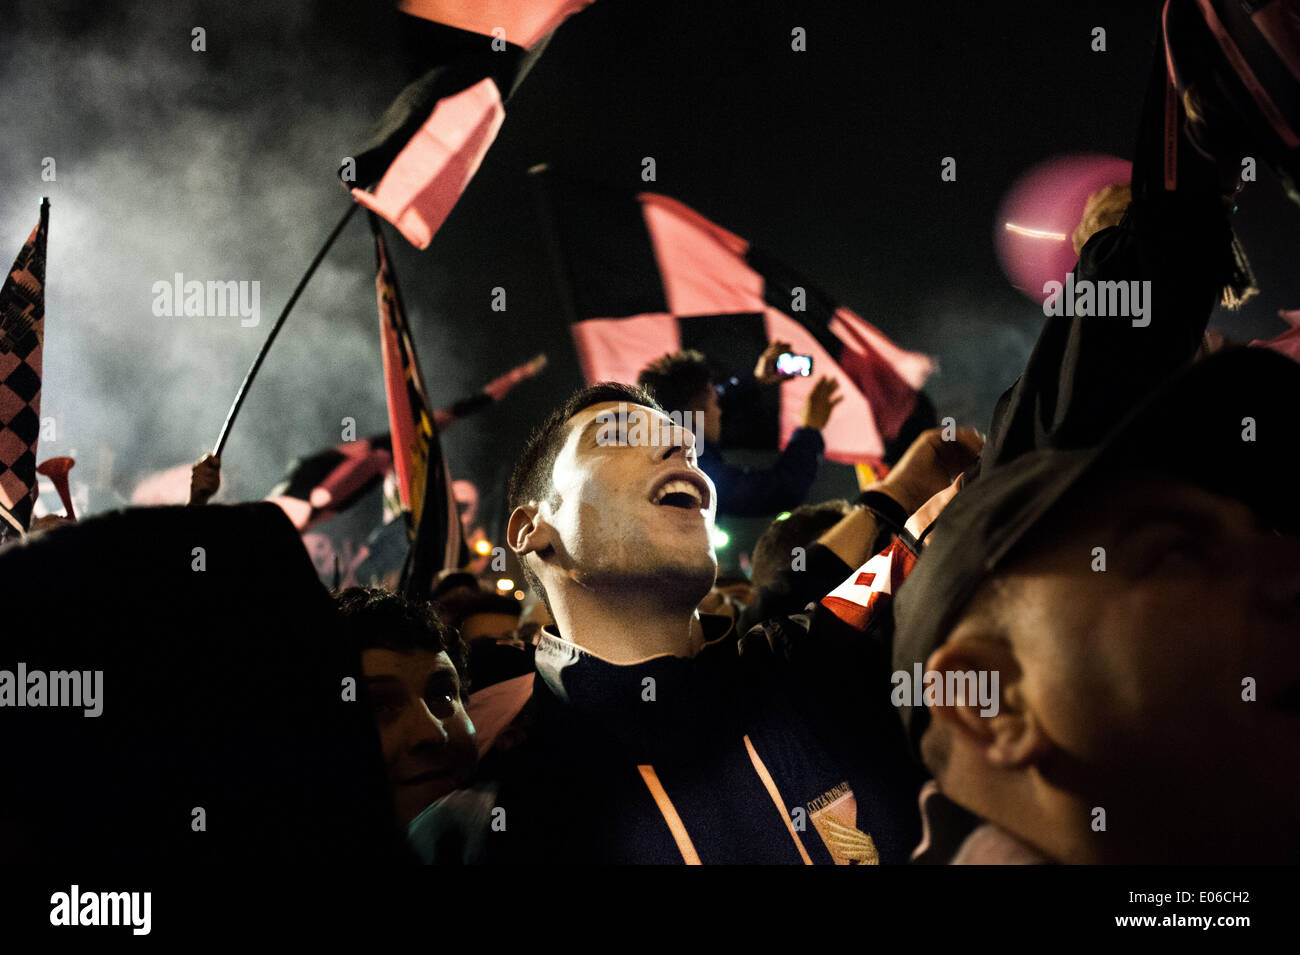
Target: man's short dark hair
x,y
803,526
375,619
531,478
677,380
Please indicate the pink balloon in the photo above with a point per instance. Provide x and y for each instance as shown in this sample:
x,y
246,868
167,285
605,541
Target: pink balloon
x,y
1040,211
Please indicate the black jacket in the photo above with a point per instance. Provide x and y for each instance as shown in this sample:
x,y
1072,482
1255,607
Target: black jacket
x,y
734,756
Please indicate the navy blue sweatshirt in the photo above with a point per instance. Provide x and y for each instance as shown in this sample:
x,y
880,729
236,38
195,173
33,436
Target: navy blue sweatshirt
x,y
732,756
752,492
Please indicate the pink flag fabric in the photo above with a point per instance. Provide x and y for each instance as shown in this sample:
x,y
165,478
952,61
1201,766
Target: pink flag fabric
x,y
707,271
427,178
521,22
1288,343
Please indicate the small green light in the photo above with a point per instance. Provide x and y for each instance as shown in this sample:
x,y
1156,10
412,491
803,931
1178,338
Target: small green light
x,y
720,538
780,517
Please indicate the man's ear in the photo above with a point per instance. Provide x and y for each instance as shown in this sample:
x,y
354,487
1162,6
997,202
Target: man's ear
x,y
527,531
1002,726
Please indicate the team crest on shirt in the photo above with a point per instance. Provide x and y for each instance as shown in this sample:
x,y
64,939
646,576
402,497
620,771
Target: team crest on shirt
x,y
835,817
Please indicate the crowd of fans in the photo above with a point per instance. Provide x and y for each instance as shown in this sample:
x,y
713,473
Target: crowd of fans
x,y
1069,639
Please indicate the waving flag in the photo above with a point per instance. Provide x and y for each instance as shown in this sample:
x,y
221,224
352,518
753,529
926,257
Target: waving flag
x,y
327,483
22,337
330,481
431,140
423,481
646,274
522,23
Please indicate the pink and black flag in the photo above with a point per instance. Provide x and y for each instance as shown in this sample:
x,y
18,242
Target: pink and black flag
x,y
22,337
423,481
329,482
645,274
431,140
522,23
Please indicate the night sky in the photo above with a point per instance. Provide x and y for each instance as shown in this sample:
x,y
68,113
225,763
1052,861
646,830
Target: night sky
x,y
221,165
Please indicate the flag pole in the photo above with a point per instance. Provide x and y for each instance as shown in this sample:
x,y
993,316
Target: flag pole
x,y
540,175
275,330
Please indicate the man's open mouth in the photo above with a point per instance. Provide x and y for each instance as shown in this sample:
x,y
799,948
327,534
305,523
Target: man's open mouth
x,y
687,493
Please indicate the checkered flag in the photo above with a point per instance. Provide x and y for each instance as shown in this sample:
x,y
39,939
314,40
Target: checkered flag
x,y
643,274
22,334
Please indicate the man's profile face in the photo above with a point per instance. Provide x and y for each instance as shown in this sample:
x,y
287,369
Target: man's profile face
x,y
428,739
630,505
1137,672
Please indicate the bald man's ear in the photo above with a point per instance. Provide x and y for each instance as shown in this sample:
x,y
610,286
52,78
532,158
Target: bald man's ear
x,y
994,718
528,532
